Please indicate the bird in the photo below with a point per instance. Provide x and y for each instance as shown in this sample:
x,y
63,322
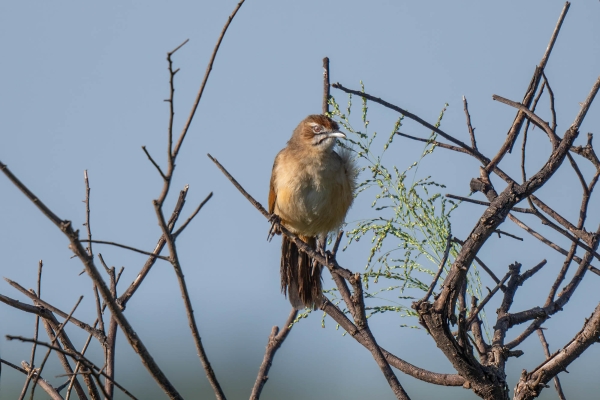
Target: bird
x,y
311,189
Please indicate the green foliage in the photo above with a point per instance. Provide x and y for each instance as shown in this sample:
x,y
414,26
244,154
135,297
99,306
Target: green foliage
x,y
411,222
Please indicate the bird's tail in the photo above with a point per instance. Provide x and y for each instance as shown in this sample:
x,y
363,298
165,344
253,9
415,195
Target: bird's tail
x,y
300,275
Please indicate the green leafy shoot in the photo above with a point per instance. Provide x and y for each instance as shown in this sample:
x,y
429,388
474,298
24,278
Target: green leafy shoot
x,y
411,221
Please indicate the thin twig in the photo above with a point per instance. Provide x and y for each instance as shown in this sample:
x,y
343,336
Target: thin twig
x,y
75,356
171,101
174,258
441,267
499,232
326,86
191,217
97,333
239,187
91,269
87,211
56,335
486,203
51,391
125,247
527,124
546,348
554,139
162,174
481,263
551,97
275,340
111,340
469,126
186,127
435,143
533,84
35,335
77,367
126,296
336,244
404,112
549,242
473,313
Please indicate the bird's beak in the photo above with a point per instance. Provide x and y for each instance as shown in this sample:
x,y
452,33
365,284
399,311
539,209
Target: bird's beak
x,y
336,134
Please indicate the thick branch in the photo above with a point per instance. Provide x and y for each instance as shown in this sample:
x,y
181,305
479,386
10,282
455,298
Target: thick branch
x,y
531,384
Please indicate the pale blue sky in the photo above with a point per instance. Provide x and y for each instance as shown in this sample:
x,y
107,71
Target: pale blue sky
x,y
82,87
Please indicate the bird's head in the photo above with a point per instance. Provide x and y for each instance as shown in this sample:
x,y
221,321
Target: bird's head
x,y
317,132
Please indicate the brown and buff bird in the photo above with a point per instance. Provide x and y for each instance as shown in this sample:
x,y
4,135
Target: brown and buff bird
x,y
312,188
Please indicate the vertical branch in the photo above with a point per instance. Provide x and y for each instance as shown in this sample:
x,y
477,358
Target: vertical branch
x,y
469,126
57,333
275,340
171,101
87,212
204,81
440,268
111,341
322,239
326,87
210,374
537,98
533,85
78,366
125,296
35,336
546,348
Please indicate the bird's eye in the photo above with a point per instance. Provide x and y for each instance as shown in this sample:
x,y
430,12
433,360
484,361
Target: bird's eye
x,y
317,128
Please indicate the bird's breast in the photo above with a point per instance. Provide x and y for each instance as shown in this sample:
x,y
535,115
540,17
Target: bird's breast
x,y
313,195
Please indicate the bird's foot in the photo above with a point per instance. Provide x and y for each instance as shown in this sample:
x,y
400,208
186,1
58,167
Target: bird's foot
x,y
274,230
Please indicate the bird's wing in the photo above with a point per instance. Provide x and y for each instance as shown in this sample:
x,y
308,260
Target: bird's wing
x,y
272,190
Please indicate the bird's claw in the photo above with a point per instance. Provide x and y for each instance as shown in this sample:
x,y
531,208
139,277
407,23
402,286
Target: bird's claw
x,y
274,230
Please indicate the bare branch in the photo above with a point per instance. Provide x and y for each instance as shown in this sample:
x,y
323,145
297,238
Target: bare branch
x,y
162,174
123,246
535,80
275,341
531,384
204,81
473,313
440,268
408,114
92,271
326,87
75,356
416,372
196,211
587,151
435,143
481,263
546,348
174,258
124,298
35,335
471,130
549,242
42,312
554,139
46,387
499,232
57,333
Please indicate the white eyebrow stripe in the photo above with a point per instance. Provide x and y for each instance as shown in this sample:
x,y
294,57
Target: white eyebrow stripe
x,y
314,124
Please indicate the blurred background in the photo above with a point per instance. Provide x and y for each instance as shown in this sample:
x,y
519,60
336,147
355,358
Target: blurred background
x,y
82,88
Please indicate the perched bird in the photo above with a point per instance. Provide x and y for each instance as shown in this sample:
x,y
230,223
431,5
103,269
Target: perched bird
x,y
312,188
